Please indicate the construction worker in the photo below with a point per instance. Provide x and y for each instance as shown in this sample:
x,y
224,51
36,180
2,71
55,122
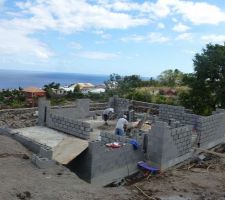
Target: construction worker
x,y
121,124
106,113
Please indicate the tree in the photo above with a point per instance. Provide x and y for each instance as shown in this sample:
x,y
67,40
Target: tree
x,y
49,88
122,85
171,78
207,83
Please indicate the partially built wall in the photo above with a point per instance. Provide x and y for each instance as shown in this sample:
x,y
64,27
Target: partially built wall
x,y
169,141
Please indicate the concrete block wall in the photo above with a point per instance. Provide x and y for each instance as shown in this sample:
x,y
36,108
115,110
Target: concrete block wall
x,y
120,105
167,112
111,137
80,111
73,127
211,130
43,105
140,106
103,165
25,141
107,137
168,146
182,139
98,106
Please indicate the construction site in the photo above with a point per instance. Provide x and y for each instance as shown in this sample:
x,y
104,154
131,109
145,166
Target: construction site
x,y
67,152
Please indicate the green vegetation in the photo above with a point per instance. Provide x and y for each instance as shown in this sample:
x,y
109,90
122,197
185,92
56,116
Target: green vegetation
x,y
207,83
12,98
202,91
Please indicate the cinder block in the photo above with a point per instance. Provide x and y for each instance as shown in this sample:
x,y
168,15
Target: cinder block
x,y
42,163
45,152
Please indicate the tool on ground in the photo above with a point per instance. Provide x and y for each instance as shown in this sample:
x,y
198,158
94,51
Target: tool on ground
x,y
145,166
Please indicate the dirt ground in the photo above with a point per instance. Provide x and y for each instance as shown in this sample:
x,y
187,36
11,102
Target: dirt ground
x,y
21,180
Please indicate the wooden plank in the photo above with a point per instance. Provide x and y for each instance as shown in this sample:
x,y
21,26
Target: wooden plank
x,y
69,149
211,152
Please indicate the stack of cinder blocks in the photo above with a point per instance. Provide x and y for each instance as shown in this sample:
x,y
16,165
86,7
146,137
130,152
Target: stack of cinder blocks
x,y
44,158
74,127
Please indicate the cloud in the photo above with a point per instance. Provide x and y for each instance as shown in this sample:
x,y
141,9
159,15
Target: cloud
x,y
160,26
195,12
2,2
62,16
72,16
102,34
180,28
31,17
219,39
189,52
199,12
97,55
19,43
153,37
185,36
75,45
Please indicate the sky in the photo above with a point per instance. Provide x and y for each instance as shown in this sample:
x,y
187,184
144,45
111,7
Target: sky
x,y
143,37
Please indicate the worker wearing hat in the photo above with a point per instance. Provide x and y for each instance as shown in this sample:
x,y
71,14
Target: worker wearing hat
x,y
121,123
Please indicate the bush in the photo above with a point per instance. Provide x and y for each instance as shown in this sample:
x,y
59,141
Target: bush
x,y
140,96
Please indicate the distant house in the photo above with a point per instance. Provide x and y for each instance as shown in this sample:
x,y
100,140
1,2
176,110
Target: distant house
x,y
85,88
32,94
97,90
60,91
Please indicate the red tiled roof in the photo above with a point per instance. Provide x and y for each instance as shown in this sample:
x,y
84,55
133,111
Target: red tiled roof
x,y
33,90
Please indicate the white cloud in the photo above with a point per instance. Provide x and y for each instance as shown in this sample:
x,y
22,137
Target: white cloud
x,y
160,26
150,38
71,16
219,39
2,2
102,34
58,15
97,55
19,43
189,52
199,12
185,36
75,45
196,12
180,28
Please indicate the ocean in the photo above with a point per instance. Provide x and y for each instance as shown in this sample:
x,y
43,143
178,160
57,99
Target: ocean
x,y
11,79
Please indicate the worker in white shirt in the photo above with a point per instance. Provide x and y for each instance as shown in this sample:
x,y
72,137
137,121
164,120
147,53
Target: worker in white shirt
x,y
121,123
106,113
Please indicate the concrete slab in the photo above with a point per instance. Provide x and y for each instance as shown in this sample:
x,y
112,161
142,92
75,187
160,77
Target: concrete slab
x,y
65,147
98,126
43,135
